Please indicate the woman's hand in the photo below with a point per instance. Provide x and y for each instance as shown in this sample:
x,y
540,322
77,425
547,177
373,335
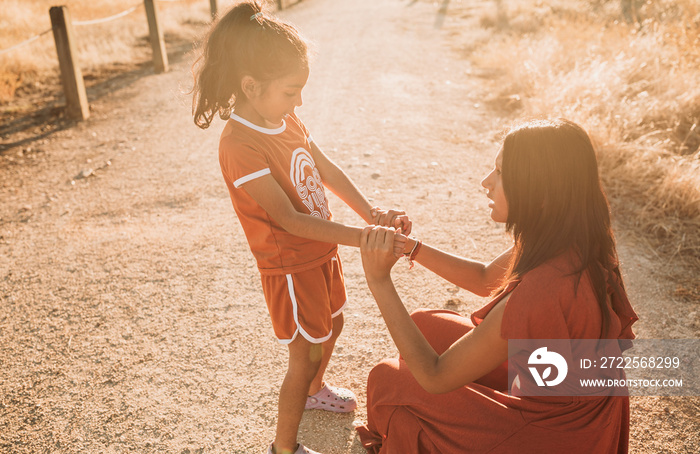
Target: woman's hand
x,y
379,251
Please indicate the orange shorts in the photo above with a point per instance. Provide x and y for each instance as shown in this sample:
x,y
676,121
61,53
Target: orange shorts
x,y
305,303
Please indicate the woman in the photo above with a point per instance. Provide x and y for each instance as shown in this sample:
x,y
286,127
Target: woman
x,y
449,391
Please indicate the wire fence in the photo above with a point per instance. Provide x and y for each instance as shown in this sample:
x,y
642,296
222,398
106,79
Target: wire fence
x,y
77,106
124,13
108,18
25,42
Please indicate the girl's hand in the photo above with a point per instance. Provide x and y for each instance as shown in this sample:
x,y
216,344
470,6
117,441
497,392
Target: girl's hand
x,y
392,218
378,252
400,242
402,222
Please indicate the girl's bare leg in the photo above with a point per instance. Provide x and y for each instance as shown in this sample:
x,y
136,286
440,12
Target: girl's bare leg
x,y
326,353
304,362
307,364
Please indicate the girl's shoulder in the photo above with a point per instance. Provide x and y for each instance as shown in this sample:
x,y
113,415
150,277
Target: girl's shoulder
x,y
294,122
235,140
241,151
242,136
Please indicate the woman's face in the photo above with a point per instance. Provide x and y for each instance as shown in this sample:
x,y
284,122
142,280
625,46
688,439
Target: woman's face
x,y
494,191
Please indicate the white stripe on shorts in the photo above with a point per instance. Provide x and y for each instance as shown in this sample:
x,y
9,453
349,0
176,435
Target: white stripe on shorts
x,y
300,329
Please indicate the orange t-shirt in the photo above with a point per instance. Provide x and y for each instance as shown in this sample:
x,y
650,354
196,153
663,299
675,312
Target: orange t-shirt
x,y
248,151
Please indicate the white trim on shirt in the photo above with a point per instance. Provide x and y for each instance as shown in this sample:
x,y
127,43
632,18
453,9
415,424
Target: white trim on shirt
x,y
251,176
259,128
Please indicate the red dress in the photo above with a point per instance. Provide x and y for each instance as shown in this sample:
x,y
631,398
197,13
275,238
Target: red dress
x,y
482,417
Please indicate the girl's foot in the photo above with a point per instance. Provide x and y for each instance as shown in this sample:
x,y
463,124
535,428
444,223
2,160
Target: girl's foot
x,y
329,398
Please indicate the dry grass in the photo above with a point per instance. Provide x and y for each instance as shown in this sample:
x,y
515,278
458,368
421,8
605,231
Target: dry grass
x,y
123,41
635,85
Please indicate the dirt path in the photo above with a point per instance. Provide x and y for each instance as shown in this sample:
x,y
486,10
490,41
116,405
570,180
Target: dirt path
x,y
131,316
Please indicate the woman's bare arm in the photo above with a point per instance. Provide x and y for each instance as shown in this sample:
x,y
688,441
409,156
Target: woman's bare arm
x,y
472,356
476,277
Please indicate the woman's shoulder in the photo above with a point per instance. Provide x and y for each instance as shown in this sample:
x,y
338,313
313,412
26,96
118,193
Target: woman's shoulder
x,y
538,304
560,281
544,286
560,272
547,284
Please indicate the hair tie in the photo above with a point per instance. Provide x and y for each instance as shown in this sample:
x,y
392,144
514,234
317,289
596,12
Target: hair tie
x,y
256,15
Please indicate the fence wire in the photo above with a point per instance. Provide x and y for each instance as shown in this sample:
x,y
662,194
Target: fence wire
x,y
126,12
108,18
25,42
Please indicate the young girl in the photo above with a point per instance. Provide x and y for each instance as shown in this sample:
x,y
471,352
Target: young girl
x,y
449,392
252,72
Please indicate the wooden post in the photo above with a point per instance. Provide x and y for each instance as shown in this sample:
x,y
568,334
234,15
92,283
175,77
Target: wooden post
x,y
160,57
279,4
214,8
72,79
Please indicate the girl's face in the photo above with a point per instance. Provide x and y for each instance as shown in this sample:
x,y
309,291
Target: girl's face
x,y
267,104
494,191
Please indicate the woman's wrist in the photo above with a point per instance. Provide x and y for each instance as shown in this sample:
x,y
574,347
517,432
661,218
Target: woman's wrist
x,y
376,283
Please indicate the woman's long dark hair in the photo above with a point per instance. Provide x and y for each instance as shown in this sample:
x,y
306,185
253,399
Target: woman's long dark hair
x,y
556,203
245,41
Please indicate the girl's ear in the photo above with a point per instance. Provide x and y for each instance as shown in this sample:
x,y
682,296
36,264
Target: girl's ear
x,y
250,87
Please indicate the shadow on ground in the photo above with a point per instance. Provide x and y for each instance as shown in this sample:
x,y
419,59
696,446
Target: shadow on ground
x,y
40,114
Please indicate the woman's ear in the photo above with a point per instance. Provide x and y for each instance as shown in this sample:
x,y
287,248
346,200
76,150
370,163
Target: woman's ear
x,y
250,87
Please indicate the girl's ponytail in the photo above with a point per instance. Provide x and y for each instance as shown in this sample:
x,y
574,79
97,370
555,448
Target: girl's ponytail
x,y
245,41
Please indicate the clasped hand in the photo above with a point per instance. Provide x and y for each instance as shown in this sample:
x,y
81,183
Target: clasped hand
x,y
392,218
380,247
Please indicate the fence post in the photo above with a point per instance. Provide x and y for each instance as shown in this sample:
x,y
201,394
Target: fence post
x,y
73,86
214,8
160,56
279,4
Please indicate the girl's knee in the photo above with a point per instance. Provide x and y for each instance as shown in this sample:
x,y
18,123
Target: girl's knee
x,y
304,358
338,323
303,370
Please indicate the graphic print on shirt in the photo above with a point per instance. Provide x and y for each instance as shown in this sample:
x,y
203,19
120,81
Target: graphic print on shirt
x,y
307,181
